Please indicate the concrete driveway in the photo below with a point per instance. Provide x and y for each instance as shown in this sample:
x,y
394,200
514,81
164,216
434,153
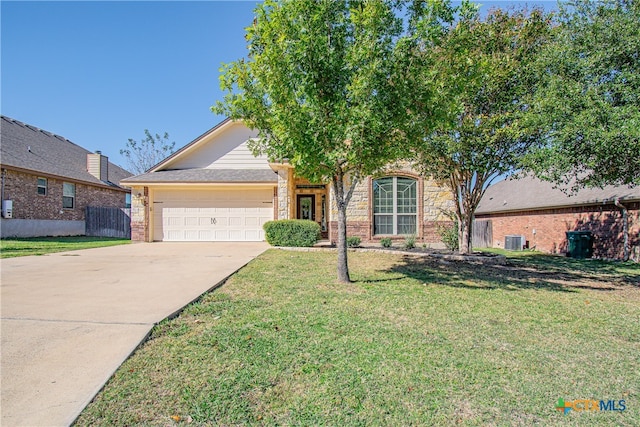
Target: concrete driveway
x,y
70,319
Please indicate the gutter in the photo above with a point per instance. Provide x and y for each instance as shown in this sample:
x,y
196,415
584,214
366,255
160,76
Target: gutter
x,y
4,175
199,183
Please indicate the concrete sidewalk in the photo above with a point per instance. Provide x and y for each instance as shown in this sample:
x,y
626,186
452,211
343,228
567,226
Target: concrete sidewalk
x,y
70,319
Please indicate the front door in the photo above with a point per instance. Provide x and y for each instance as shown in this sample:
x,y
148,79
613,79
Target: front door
x,y
307,207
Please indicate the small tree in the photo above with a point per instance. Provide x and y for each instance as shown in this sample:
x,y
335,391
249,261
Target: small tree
x,y
485,67
142,156
319,85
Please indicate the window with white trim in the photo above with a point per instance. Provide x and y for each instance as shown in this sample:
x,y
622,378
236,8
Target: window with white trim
x,y
68,195
395,205
42,186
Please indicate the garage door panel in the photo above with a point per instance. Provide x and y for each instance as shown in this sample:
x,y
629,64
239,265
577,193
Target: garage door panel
x,y
226,215
191,234
173,235
221,235
174,221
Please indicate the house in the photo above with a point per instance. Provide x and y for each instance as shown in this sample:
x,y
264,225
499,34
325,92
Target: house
x,y
48,181
542,214
215,189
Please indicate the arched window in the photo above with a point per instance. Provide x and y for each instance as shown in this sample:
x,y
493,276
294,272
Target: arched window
x,y
395,205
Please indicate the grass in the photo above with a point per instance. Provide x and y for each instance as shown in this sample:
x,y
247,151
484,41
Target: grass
x,y
10,248
411,342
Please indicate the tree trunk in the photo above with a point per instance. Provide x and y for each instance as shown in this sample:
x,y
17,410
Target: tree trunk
x,y
342,201
343,266
467,192
465,225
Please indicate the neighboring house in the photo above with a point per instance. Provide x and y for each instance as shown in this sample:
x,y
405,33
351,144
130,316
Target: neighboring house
x,y
534,209
48,181
215,189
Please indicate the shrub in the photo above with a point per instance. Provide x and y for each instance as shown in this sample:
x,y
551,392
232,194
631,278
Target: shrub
x,y
292,232
449,235
353,241
385,242
410,242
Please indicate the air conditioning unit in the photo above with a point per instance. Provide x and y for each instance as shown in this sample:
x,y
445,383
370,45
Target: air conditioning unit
x,y
7,208
514,242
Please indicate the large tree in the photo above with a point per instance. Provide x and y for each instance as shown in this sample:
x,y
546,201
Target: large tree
x,y
144,154
484,67
319,86
589,100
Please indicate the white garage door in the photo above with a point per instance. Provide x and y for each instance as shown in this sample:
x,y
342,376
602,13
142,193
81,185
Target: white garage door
x,y
211,215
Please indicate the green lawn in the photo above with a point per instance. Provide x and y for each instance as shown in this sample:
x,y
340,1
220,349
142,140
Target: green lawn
x,y
45,245
411,342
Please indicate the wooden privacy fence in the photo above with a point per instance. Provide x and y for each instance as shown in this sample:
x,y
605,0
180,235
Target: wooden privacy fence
x,y
482,234
108,222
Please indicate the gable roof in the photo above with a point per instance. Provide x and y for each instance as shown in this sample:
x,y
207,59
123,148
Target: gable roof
x,y
29,148
193,144
530,193
219,156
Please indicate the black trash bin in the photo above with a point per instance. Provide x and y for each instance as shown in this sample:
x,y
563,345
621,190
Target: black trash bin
x,y
580,244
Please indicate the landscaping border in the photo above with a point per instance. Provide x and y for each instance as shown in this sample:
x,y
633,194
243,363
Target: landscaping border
x,y
494,259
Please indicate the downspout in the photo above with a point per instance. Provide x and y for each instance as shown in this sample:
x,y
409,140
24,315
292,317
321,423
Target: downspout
x,y
4,174
625,228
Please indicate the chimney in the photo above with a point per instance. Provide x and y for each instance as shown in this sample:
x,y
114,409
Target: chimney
x,y
98,165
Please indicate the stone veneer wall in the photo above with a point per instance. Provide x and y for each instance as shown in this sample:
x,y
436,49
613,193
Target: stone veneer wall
x,y
433,206
284,195
140,214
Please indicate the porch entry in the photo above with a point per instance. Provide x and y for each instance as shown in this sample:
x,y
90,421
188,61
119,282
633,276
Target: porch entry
x,y
307,208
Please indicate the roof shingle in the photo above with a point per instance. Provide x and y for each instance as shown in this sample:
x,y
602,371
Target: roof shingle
x,y
27,147
206,176
530,193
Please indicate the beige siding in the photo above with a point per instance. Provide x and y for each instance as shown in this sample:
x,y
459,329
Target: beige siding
x,y
98,166
225,149
240,158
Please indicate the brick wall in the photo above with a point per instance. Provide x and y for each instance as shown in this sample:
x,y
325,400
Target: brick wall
x,y
362,229
430,230
22,188
550,225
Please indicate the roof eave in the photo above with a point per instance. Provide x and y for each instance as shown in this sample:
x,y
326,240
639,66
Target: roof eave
x,y
190,145
574,205
200,183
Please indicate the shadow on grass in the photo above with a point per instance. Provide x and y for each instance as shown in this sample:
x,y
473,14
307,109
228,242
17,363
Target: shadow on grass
x,y
535,271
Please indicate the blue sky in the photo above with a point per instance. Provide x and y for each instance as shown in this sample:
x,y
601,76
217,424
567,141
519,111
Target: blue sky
x,y
99,73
